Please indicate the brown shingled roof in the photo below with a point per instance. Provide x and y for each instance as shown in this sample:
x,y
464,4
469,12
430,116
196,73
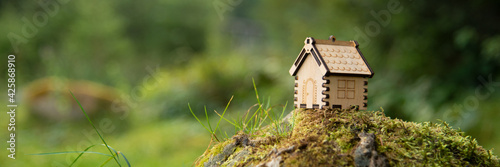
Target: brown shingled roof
x,y
334,57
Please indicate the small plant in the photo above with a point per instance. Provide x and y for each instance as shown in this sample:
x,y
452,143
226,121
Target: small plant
x,y
209,129
252,121
113,154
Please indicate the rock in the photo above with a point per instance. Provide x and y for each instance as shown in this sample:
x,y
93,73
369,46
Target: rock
x,y
365,154
276,158
340,138
275,162
286,150
49,99
228,150
218,159
242,140
273,151
239,156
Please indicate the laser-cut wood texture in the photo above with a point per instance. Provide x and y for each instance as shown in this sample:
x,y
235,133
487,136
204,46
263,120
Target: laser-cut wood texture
x,y
331,74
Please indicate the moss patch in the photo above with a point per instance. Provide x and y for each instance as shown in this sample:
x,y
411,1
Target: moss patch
x,y
347,137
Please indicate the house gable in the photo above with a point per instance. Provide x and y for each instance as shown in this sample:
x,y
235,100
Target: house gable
x,y
308,50
309,84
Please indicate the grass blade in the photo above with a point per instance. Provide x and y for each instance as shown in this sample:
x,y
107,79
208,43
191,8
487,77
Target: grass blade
x,y
268,104
284,108
256,94
116,152
126,160
208,121
198,119
70,152
254,114
105,162
232,123
223,112
76,159
100,136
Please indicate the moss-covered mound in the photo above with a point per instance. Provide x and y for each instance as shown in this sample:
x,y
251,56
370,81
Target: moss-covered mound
x,y
350,138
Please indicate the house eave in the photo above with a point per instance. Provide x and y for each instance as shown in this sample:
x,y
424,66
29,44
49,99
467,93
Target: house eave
x,y
349,74
336,42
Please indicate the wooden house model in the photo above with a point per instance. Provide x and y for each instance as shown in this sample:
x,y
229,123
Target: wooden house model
x,y
330,74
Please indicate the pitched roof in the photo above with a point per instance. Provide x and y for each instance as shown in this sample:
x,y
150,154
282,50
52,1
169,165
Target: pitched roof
x,y
334,57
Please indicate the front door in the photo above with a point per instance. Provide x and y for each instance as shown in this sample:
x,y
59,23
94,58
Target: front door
x,y
310,93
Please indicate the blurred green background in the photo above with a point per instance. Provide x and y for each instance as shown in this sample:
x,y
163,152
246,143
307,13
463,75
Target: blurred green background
x,y
135,65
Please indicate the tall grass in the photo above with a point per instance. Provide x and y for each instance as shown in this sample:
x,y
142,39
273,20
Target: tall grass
x,y
113,154
252,121
209,129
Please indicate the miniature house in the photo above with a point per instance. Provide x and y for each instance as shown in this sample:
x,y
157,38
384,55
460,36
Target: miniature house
x,y
330,74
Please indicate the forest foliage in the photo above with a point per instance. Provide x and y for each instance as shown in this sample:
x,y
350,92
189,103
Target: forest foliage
x,y
432,59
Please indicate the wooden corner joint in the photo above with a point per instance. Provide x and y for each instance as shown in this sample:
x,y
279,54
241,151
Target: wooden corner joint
x,y
327,81
327,88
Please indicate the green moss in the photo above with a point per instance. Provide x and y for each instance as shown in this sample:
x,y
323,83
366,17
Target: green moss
x,y
216,149
328,137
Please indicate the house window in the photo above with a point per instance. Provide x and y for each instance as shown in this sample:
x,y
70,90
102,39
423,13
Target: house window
x,y
346,89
